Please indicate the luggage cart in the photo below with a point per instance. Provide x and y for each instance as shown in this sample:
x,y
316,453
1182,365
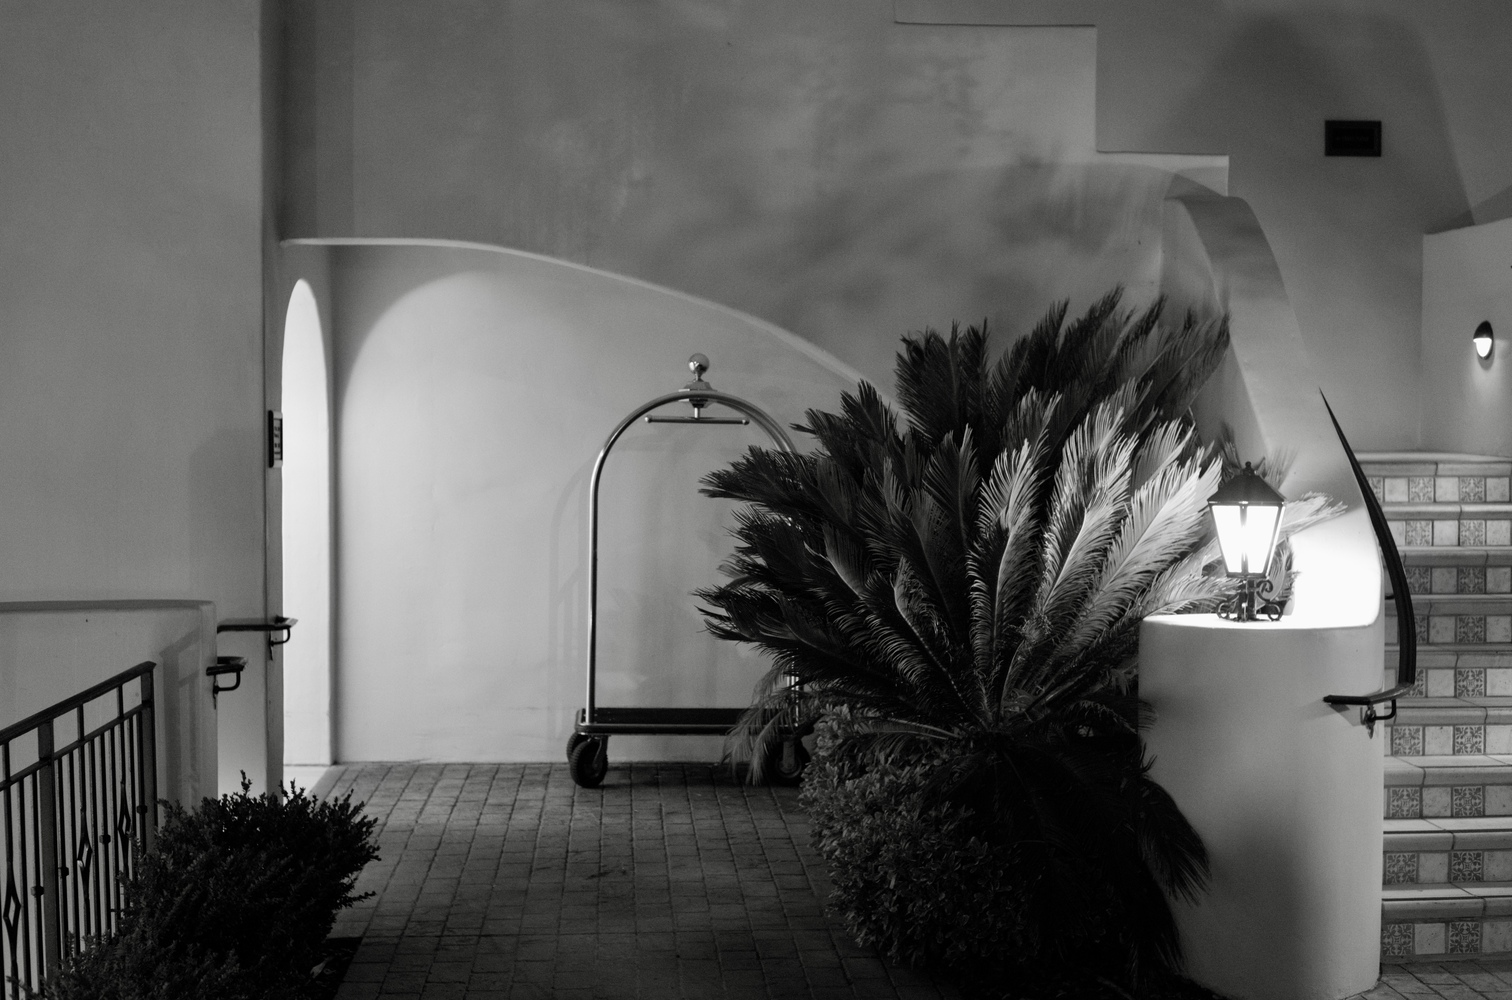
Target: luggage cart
x,y
587,747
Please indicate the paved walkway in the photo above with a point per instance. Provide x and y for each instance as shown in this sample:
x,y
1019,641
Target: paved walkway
x,y
506,880
1453,981
672,881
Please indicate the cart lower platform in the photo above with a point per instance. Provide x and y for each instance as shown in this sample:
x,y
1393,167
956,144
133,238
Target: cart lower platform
x,y
587,747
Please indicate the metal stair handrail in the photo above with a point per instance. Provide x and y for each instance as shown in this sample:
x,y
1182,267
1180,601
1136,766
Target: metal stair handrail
x,y
1406,622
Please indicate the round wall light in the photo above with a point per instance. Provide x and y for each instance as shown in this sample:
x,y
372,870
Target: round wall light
x,y
1482,340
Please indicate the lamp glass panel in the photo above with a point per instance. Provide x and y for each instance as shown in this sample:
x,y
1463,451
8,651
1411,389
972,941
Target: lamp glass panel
x,y
1482,347
1230,536
1259,535
1246,534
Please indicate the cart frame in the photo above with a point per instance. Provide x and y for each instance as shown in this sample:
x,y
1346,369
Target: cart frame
x,y
586,749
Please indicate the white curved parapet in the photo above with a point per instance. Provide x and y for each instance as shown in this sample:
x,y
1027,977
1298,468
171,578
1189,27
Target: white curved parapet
x,y
1285,791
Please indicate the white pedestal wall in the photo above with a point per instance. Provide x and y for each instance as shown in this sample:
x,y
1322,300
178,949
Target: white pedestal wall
x,y
1285,792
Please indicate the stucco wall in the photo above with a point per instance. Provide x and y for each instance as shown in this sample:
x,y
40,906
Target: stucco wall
x,y
817,165
850,177
1466,281
130,306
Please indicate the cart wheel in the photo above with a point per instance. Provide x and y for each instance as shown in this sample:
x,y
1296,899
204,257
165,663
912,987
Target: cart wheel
x,y
589,761
786,761
572,744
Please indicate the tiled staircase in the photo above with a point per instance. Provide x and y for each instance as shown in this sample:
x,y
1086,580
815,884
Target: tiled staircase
x,y
1447,865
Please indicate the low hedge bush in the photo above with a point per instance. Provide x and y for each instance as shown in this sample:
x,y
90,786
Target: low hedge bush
x,y
236,901
933,879
914,881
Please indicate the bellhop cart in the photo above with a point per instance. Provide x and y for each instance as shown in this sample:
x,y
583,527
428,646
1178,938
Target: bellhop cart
x,y
587,748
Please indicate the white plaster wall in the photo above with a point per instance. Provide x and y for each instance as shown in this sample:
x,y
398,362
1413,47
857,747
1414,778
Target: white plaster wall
x,y
130,310
1466,280
1255,79
474,388
51,650
306,532
815,165
849,176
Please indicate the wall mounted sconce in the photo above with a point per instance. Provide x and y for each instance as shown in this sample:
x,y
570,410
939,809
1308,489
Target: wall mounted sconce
x,y
1482,340
1247,513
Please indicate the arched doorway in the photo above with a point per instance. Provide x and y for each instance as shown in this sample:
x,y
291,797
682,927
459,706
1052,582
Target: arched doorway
x,y
306,411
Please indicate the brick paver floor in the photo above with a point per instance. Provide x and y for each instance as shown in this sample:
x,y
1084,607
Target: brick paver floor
x,y
1451,981
671,881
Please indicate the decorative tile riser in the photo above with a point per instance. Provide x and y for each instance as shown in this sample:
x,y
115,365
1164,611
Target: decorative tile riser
x,y
1456,682
1430,801
1457,673
1419,741
1457,867
1440,489
1418,941
1428,580
1457,629
1447,533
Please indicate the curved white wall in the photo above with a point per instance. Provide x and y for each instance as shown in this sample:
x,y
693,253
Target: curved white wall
x,y
474,388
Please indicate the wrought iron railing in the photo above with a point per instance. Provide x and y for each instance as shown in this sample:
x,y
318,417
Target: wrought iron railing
x,y
78,794
1401,596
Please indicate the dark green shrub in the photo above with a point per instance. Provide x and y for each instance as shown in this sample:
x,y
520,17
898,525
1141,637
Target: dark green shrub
x,y
134,967
260,877
911,878
236,901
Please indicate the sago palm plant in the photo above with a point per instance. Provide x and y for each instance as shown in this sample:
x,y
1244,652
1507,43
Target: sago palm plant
x,y
966,592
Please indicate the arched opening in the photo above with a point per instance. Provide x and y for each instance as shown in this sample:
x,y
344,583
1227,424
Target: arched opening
x,y
306,538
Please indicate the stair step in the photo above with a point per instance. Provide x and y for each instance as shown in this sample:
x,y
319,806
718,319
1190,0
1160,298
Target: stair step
x,y
1450,727
1429,458
1460,833
1453,603
1455,555
1452,571
1448,785
1433,922
1445,510
1398,485
1450,528
1461,852
1458,648
1400,477
1447,849
1483,672
1447,630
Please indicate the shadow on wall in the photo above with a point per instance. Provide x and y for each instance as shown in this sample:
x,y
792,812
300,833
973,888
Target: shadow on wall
x,y
818,165
474,388
853,269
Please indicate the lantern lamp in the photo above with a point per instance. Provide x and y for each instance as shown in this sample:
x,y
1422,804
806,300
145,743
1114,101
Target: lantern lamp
x,y
1247,514
1483,340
